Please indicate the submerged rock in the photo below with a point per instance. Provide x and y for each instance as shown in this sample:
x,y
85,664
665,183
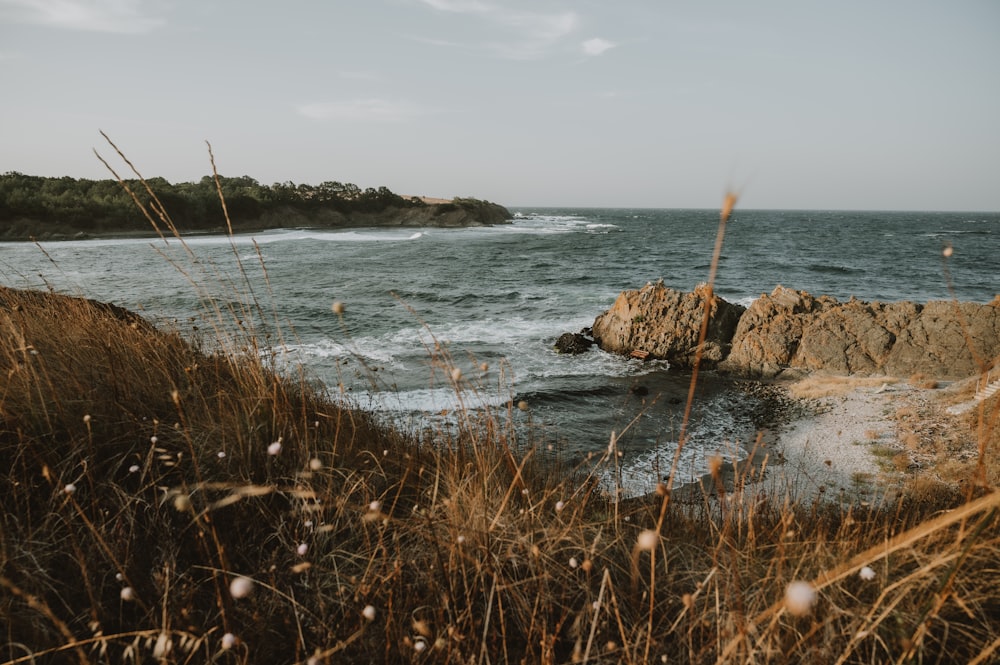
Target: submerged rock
x,y
573,343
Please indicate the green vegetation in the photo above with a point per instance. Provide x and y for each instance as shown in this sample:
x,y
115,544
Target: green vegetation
x,y
103,206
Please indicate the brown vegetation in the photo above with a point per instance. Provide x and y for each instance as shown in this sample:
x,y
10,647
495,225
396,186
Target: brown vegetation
x,y
167,502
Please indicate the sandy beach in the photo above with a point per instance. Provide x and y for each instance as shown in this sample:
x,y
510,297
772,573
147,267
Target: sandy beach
x,y
862,440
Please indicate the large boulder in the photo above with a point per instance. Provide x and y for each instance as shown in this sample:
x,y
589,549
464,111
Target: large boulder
x,y
665,324
854,337
947,340
793,329
770,330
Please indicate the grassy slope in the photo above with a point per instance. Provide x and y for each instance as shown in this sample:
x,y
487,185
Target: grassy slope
x,y
112,434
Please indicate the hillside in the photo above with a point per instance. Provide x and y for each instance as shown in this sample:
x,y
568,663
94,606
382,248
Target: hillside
x,y
35,207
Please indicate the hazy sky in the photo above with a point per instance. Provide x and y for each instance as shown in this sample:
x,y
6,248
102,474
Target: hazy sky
x,y
646,103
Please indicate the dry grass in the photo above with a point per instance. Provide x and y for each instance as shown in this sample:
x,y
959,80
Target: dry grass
x,y
816,386
464,551
167,503
920,380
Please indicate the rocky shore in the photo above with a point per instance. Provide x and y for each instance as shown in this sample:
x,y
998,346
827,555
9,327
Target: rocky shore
x,y
789,329
854,395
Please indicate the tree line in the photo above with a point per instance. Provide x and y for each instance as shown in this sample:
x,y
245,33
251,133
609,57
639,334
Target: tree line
x,y
103,205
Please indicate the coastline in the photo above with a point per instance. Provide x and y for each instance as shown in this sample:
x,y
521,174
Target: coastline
x,y
851,440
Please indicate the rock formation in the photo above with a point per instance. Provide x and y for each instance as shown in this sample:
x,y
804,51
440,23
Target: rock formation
x,y
792,329
666,324
573,343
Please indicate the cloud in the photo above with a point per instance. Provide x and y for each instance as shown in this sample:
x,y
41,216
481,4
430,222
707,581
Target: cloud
x,y
459,6
362,110
117,16
530,34
597,46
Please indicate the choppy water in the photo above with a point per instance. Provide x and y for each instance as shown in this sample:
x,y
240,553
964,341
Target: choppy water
x,y
501,296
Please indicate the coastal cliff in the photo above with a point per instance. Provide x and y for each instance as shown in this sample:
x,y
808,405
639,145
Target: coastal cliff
x,y
793,329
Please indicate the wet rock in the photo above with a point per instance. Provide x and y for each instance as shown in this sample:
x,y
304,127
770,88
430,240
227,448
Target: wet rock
x,y
573,343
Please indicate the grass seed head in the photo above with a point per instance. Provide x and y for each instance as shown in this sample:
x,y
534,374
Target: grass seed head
x,y
799,598
647,540
241,587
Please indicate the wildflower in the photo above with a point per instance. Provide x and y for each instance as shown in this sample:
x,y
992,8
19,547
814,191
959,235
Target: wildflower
x,y
240,587
419,644
315,464
128,594
559,506
302,549
375,506
456,375
799,598
647,540
69,488
460,540
229,641
86,419
866,573
221,454
274,448
134,468
368,613
948,251
337,307
573,563
522,405
153,439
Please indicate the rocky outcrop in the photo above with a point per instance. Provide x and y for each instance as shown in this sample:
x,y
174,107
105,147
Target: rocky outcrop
x,y
573,343
793,329
769,332
665,324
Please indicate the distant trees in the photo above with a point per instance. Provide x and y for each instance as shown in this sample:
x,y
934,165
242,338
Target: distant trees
x,y
103,205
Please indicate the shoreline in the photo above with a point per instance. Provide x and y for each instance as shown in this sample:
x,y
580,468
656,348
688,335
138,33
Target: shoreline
x,y
852,440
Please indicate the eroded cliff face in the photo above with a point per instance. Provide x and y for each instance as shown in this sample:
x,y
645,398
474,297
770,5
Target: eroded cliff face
x,y
793,329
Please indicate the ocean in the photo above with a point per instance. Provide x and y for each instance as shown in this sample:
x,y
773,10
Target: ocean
x,y
491,302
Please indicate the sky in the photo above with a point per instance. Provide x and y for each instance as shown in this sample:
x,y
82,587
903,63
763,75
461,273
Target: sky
x,y
797,104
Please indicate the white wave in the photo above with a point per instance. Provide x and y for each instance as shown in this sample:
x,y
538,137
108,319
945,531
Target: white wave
x,y
435,400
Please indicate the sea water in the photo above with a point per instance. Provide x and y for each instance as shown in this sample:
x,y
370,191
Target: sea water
x,y
419,303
